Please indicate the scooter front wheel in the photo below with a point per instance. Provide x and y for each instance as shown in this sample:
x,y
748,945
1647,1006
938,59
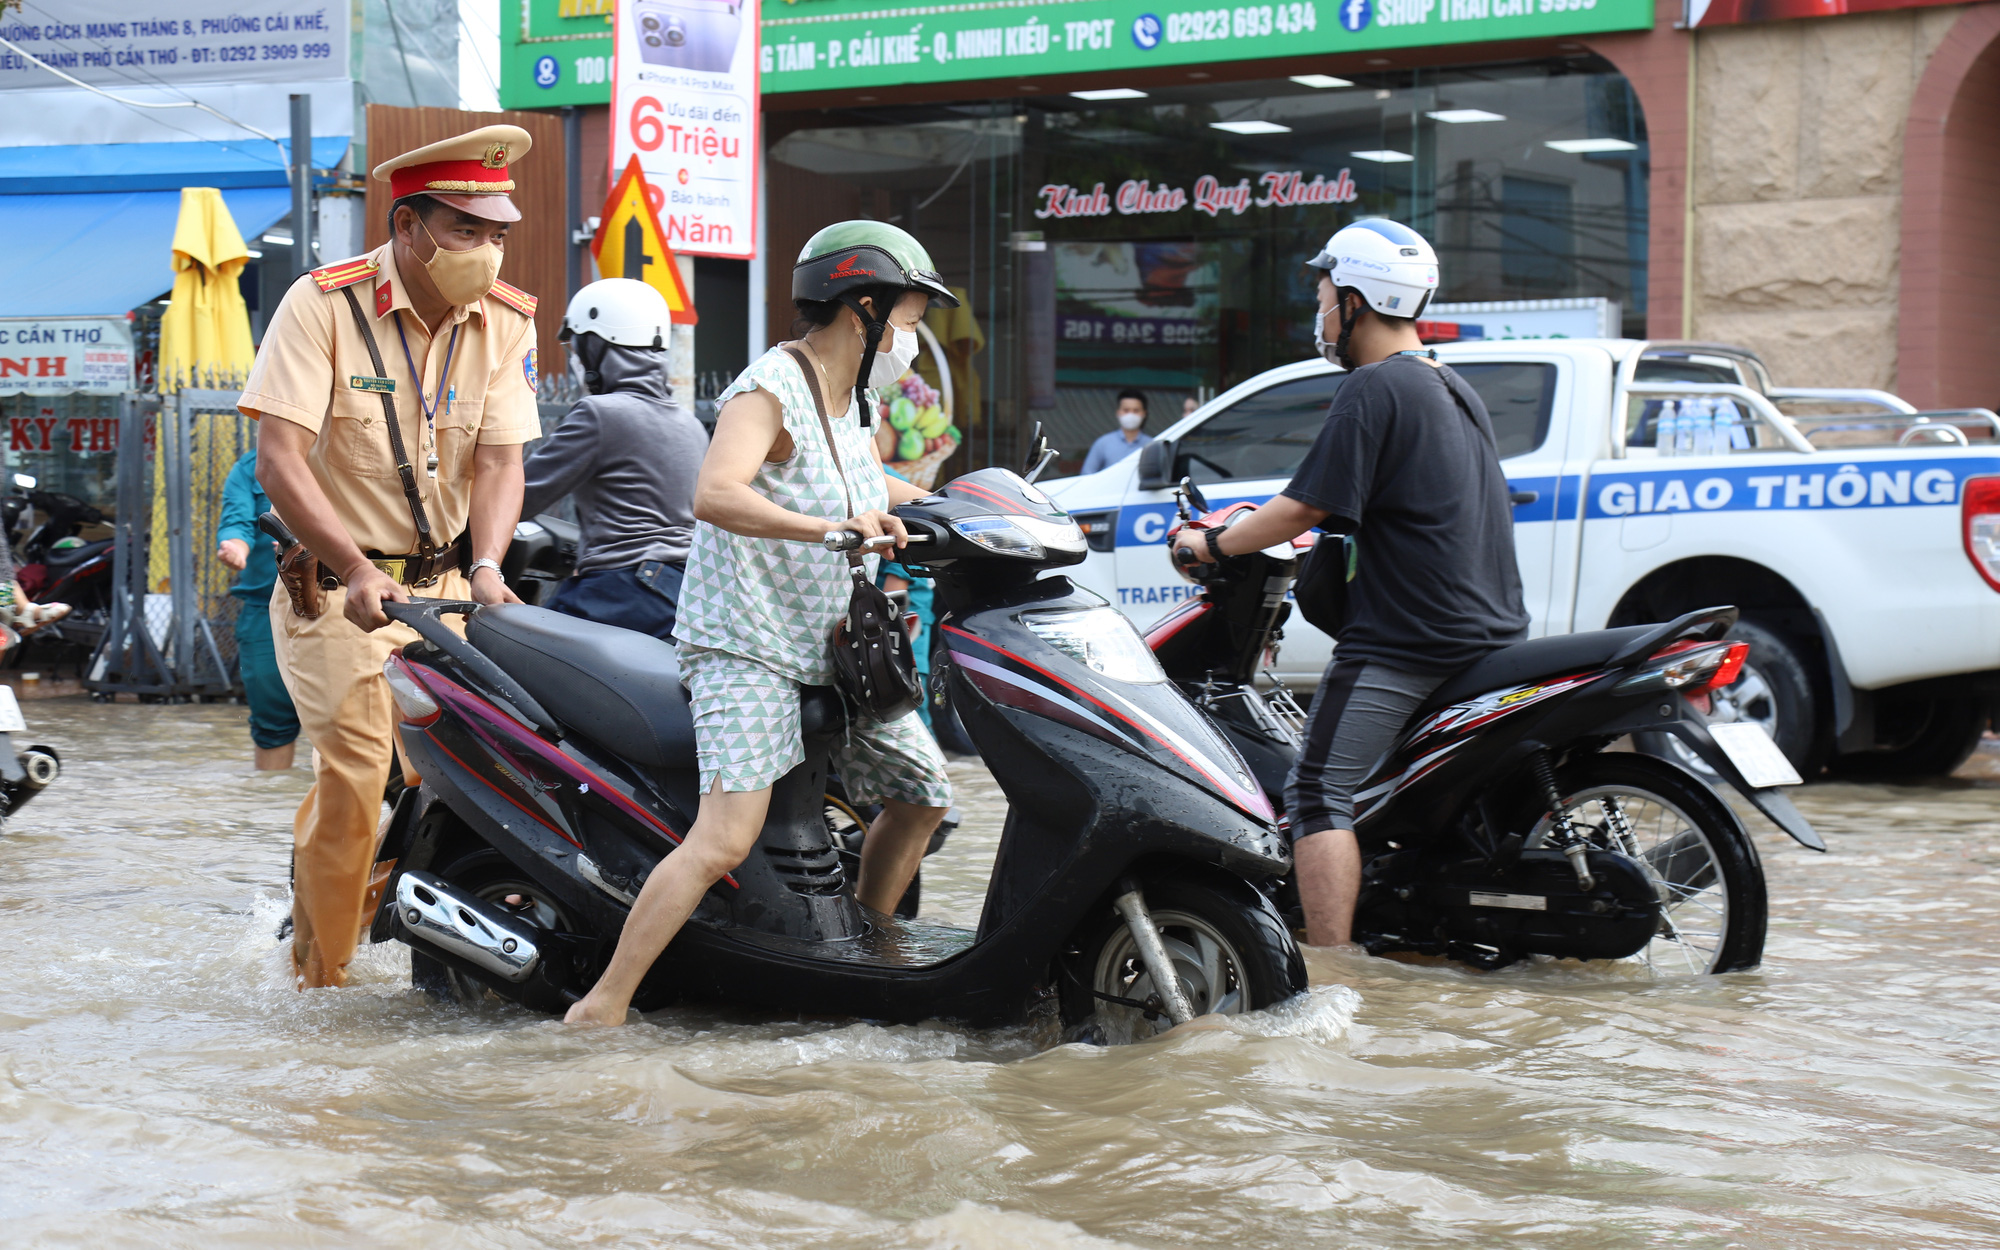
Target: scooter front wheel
x,y
1230,950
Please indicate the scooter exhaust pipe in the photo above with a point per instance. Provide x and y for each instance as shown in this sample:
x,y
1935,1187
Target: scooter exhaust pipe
x,y
459,924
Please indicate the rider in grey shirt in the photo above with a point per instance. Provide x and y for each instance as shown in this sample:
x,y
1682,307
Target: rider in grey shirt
x,y
629,454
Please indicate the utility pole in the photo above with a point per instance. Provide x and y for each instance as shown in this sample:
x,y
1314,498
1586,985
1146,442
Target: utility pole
x,y
573,199
302,188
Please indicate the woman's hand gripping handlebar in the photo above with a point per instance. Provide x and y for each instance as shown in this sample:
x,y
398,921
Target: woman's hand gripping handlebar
x,y
852,540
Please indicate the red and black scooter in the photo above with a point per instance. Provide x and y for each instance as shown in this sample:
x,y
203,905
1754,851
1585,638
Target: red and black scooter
x,y
1498,826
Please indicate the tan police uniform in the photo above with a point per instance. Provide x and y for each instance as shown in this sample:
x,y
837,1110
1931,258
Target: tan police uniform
x,y
313,369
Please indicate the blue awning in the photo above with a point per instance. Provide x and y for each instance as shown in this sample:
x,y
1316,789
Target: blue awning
x,y
105,253
157,166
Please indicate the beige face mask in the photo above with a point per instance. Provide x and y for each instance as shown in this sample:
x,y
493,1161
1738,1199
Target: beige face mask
x,y
463,277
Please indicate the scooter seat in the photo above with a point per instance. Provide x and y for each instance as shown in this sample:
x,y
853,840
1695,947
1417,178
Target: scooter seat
x,y
1557,655
618,688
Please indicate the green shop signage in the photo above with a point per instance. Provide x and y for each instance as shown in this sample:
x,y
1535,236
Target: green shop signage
x,y
559,51
819,45
555,52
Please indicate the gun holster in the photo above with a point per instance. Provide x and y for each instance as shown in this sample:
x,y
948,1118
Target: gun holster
x,y
298,569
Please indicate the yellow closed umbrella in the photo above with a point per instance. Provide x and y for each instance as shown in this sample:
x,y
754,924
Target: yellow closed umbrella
x,y
206,329
204,343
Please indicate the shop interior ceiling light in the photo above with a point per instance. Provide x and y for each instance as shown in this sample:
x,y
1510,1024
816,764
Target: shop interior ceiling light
x,y
1253,128
1111,93
1383,156
1583,147
1459,117
1322,81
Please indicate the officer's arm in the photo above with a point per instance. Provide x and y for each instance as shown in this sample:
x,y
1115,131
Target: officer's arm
x,y
286,477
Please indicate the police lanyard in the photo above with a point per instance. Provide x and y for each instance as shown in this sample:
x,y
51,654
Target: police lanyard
x,y
430,406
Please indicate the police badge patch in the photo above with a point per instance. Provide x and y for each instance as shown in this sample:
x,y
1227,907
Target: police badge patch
x,y
529,371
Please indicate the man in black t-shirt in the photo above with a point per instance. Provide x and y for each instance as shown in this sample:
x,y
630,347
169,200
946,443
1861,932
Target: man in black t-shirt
x,y
1406,462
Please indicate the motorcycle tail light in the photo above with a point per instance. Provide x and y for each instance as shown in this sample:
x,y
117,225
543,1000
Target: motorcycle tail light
x,y
1730,669
1979,508
1682,665
412,700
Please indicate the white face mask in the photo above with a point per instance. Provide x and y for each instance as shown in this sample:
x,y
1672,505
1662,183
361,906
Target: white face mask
x,y
1131,420
894,363
1320,345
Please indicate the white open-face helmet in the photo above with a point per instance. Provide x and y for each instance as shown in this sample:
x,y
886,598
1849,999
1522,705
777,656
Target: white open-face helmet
x,y
624,311
1391,265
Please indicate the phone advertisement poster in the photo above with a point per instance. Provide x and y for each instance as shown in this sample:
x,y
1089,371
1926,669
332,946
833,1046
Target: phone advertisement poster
x,y
684,103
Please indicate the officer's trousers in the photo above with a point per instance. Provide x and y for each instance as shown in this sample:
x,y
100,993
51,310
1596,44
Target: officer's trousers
x,y
334,671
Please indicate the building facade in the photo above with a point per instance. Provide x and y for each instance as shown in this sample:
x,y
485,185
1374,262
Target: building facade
x,y
1126,189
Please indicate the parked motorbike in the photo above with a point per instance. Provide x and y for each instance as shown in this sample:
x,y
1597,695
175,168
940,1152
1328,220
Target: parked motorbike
x,y
557,768
542,554
1499,827
25,773
53,567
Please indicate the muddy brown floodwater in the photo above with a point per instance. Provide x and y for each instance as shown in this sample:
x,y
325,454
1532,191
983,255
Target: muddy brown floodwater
x,y
161,1085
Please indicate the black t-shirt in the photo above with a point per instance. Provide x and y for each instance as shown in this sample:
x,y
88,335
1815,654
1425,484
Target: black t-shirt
x,y
1435,586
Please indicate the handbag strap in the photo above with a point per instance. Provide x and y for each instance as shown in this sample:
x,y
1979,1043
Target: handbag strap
x,y
426,545
854,561
1484,431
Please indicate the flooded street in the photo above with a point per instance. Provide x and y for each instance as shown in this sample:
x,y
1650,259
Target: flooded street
x,y
161,1084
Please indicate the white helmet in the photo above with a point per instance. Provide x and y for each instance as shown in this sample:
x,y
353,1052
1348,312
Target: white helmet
x,y
624,311
1390,264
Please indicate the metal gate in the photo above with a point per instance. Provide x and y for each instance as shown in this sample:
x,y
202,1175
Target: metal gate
x,y
172,628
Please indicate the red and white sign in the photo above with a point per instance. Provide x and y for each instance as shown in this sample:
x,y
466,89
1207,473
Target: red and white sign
x,y
1277,189
1736,12
684,102
65,356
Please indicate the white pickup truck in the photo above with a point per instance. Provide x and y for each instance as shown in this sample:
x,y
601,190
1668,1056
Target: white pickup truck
x,y
1860,538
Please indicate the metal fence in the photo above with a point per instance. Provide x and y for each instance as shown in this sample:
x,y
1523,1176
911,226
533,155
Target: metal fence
x,y
172,628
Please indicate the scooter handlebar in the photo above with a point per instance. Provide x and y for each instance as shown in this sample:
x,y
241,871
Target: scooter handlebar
x,y
849,540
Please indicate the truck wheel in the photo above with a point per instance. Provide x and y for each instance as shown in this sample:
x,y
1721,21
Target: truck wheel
x,y
1926,738
1775,690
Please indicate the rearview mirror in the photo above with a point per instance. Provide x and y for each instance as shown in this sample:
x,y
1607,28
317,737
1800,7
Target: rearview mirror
x,y
1156,464
1040,454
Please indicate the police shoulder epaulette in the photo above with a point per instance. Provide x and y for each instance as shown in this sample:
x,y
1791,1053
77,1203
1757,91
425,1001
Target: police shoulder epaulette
x,y
345,273
514,297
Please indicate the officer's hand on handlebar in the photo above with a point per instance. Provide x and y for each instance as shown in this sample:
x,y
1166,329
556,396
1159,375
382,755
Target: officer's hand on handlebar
x,y
367,588
874,524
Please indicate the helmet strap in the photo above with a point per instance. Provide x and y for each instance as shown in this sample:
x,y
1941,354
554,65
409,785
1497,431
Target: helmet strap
x,y
1347,320
871,338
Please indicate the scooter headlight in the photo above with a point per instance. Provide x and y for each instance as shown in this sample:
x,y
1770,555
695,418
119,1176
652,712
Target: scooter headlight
x,y
412,700
1029,537
1101,639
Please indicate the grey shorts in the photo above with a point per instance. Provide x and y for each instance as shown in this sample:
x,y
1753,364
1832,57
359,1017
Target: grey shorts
x,y
1360,709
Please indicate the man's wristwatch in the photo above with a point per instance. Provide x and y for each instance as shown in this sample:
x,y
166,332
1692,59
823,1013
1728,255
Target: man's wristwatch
x,y
1214,540
483,563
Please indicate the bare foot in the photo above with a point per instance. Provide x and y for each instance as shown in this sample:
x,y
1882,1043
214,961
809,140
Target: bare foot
x,y
591,1010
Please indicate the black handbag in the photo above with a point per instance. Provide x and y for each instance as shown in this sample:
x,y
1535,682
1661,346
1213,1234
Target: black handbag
x,y
874,664
1321,587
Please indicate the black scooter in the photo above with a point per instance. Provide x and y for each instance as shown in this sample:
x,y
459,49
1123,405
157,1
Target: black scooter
x,y
557,766
1498,826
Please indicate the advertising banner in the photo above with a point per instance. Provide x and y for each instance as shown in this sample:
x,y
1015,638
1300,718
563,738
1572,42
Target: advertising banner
x,y
65,356
684,103
821,45
1734,12
126,43
555,52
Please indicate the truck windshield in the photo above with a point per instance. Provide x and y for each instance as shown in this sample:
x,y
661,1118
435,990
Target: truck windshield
x,y
1264,436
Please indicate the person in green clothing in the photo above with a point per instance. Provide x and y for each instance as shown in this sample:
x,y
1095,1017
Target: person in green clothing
x,y
274,725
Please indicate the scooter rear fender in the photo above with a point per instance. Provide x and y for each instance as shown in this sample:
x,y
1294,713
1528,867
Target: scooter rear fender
x,y
1690,728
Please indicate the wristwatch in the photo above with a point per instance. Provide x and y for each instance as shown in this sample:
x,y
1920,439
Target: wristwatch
x,y
1214,540
484,563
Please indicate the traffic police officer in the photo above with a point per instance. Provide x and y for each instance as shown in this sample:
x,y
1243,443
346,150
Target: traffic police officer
x,y
424,323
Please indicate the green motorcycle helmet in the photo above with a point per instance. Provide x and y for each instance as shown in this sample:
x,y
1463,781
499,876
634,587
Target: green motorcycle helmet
x,y
852,256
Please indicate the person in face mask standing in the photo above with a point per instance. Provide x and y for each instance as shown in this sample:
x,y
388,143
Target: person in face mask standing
x,y
1406,462
630,454
1129,437
392,393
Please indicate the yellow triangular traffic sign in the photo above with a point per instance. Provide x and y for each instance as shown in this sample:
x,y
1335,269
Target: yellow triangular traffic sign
x,y
630,244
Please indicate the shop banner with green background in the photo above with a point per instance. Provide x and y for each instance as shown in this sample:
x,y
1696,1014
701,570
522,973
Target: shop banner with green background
x,y
560,50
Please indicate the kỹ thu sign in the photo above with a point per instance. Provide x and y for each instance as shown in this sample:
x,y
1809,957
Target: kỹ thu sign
x,y
65,356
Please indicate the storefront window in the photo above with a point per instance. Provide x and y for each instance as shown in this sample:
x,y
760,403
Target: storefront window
x,y
1157,241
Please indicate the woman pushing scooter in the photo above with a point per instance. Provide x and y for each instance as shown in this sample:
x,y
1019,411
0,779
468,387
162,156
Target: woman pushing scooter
x,y
791,457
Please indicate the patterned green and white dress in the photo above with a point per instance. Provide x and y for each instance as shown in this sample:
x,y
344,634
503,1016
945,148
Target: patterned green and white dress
x,y
756,615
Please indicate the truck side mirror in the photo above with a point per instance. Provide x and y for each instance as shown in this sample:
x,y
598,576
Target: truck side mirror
x,y
1156,464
